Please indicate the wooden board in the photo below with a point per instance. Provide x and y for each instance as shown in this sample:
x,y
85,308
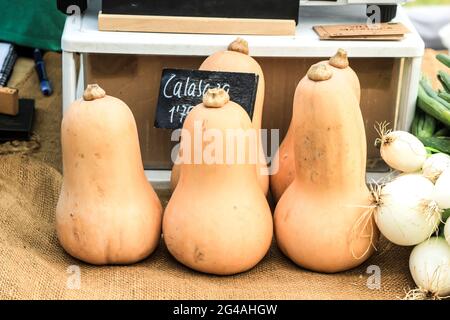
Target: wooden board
x,y
253,9
383,38
324,35
174,24
330,33
9,101
347,30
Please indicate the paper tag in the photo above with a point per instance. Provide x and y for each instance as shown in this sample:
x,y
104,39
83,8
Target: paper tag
x,y
362,29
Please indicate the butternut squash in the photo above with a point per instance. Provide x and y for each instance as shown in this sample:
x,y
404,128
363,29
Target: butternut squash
x,y
237,59
341,67
218,220
281,179
107,211
323,221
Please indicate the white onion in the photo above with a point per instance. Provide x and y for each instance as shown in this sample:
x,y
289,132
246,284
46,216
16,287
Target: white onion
x,y
405,213
435,165
442,190
402,151
429,264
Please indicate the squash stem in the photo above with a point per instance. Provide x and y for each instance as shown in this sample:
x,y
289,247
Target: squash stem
x,y
239,45
93,92
320,72
215,98
340,59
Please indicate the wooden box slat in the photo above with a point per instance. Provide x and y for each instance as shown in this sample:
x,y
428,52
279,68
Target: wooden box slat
x,y
172,24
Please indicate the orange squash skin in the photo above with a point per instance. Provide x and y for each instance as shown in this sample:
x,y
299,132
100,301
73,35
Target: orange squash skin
x,y
281,180
107,212
340,65
218,220
233,61
316,216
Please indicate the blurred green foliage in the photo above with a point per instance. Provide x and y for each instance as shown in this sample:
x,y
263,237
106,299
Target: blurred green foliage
x,y
427,2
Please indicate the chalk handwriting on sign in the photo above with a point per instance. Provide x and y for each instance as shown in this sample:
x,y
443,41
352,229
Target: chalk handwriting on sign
x,y
188,88
180,112
181,90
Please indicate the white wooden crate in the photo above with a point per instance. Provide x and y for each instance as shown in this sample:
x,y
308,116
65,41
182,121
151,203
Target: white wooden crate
x,y
81,35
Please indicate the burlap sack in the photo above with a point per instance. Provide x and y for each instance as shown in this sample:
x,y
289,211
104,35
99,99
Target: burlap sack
x,y
34,266
45,143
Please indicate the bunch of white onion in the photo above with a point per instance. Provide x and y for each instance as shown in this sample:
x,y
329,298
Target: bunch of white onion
x,y
410,208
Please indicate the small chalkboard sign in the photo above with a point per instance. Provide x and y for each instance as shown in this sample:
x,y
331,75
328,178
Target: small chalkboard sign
x,y
182,89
